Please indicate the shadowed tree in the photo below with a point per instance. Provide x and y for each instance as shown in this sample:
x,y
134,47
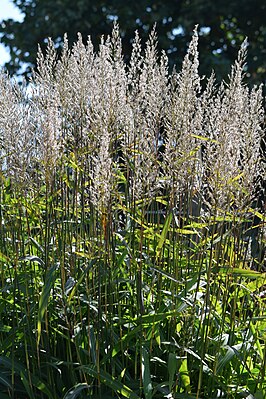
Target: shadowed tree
x,y
222,27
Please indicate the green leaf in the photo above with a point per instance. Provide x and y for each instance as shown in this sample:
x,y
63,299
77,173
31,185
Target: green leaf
x,y
26,385
172,367
146,374
230,353
4,381
4,328
11,365
247,273
19,369
126,339
184,375
257,341
163,235
73,392
165,274
3,258
3,396
157,317
44,298
110,381
83,276
32,258
204,138
259,395
36,244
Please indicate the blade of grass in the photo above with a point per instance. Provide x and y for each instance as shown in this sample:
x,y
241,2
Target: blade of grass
x,y
184,375
146,374
44,298
73,392
110,381
163,235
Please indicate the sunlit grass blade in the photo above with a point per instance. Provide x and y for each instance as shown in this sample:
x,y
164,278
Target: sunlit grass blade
x,y
163,234
184,375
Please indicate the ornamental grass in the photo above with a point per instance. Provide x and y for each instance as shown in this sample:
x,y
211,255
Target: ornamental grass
x,y
131,228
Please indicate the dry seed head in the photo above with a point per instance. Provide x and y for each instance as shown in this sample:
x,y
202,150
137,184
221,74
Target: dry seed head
x,y
18,145
109,115
182,166
232,155
147,92
46,114
101,175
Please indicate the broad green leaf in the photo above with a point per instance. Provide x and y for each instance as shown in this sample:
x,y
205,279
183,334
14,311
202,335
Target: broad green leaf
x,y
4,258
11,365
42,386
44,298
157,336
126,339
184,375
73,392
164,234
256,213
110,381
230,353
184,231
172,368
225,359
157,317
3,396
146,374
257,341
161,200
259,395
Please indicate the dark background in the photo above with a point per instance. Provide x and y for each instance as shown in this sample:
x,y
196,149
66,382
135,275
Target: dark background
x,y
223,25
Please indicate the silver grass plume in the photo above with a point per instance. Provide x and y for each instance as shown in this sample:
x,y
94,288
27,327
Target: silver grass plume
x,y
46,113
74,82
106,118
183,123
17,133
232,155
116,120
147,94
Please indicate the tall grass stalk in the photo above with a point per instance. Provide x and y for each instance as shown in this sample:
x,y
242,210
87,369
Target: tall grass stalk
x,y
131,228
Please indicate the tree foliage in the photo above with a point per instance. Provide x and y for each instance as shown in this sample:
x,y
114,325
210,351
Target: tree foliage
x,y
222,26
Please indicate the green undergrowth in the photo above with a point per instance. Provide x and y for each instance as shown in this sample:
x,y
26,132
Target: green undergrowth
x,y
141,309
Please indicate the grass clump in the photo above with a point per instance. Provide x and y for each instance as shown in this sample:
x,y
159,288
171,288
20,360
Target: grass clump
x,y
132,228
